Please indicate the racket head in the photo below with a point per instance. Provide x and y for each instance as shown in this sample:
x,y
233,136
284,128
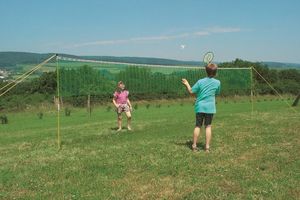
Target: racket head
x,y
208,57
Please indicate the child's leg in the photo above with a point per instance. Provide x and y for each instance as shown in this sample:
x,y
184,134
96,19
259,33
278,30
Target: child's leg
x,y
208,121
128,114
119,121
199,121
196,135
208,137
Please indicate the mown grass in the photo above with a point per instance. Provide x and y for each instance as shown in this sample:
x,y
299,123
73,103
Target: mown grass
x,y
252,157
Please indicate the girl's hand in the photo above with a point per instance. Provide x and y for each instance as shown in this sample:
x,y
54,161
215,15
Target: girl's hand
x,y
117,105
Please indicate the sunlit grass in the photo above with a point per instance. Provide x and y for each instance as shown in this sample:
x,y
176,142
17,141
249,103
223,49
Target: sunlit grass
x,y
252,157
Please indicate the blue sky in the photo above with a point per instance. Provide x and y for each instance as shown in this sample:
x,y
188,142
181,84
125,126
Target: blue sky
x,y
255,30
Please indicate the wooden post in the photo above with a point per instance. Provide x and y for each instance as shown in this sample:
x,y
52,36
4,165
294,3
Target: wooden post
x,y
89,105
54,100
61,102
57,101
296,100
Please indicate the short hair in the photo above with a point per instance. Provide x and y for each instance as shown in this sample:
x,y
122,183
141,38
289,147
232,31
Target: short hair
x,y
211,69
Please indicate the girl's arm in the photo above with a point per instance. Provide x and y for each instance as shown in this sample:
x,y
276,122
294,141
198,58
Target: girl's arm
x,y
129,104
187,86
115,103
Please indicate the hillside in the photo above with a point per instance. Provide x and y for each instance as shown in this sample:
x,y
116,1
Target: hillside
x,y
282,65
9,60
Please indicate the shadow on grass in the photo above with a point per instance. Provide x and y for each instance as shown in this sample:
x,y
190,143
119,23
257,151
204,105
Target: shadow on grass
x,y
116,128
189,143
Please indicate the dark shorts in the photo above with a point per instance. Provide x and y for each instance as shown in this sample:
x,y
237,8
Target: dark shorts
x,y
204,117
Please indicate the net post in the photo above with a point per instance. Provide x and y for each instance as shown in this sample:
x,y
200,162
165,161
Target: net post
x,y
252,102
58,103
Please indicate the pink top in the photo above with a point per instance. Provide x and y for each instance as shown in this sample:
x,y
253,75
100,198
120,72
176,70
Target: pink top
x,y
121,97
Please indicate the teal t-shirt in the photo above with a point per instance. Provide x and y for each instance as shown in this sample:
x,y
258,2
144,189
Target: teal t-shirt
x,y
205,90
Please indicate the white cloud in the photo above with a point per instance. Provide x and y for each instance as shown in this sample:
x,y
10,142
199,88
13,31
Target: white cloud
x,y
201,33
166,37
217,29
205,32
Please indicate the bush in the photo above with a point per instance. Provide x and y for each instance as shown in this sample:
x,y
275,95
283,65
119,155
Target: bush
x,y
40,115
108,108
4,119
67,112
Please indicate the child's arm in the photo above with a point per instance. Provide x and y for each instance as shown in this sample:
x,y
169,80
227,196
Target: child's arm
x,y
129,104
115,103
188,87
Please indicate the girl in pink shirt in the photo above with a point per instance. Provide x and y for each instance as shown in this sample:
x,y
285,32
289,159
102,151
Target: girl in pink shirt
x,y
122,104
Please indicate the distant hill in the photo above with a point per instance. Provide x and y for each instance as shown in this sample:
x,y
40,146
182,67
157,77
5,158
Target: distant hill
x,y
144,60
9,60
282,65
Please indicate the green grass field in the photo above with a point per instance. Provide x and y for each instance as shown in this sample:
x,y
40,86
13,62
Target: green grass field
x,y
252,157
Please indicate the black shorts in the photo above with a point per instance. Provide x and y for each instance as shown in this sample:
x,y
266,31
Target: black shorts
x,y
206,117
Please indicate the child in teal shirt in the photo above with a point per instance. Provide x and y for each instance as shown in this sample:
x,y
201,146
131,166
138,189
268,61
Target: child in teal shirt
x,y
205,91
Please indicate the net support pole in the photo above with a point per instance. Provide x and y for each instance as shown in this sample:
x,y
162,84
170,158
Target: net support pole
x,y
58,103
252,100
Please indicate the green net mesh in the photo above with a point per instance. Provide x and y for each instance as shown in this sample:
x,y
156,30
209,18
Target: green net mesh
x,y
143,82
